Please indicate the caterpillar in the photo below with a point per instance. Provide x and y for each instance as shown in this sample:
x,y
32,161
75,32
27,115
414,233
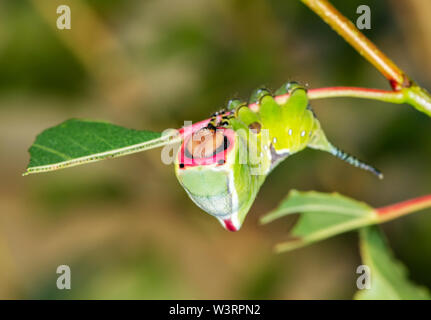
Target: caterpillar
x,y
223,163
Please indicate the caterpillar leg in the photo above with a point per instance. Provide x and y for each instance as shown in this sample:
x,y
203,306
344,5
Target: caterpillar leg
x,y
320,142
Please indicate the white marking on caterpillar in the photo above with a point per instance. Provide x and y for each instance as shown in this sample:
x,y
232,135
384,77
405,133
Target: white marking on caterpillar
x,y
290,132
274,140
303,133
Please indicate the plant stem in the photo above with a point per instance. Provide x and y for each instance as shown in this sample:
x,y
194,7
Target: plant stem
x,y
346,29
402,208
414,95
353,92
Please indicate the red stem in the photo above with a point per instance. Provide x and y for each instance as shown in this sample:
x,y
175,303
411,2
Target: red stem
x,y
398,209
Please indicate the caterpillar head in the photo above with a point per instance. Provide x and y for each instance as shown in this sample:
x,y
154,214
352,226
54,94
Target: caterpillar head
x,y
207,167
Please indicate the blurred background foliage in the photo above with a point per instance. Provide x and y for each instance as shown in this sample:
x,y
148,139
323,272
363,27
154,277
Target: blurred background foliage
x,y
125,227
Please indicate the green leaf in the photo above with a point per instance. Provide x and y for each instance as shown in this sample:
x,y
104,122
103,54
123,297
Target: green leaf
x,y
76,142
388,276
322,215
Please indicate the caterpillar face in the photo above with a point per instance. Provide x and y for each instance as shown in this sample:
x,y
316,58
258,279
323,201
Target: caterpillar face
x,y
206,146
206,169
206,143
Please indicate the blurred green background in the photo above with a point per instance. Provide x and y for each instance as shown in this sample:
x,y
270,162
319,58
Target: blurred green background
x,y
125,227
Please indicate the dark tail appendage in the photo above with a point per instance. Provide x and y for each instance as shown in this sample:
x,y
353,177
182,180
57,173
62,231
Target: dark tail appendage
x,y
340,154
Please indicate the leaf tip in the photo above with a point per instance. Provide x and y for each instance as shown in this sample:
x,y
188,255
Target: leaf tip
x,y
292,243
264,220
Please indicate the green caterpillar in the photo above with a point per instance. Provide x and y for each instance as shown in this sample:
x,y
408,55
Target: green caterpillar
x,y
223,162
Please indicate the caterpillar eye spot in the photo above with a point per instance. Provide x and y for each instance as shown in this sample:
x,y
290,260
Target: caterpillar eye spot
x,y
181,165
255,127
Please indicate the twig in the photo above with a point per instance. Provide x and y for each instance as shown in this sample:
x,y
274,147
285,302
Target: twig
x,y
352,92
399,81
402,208
346,29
